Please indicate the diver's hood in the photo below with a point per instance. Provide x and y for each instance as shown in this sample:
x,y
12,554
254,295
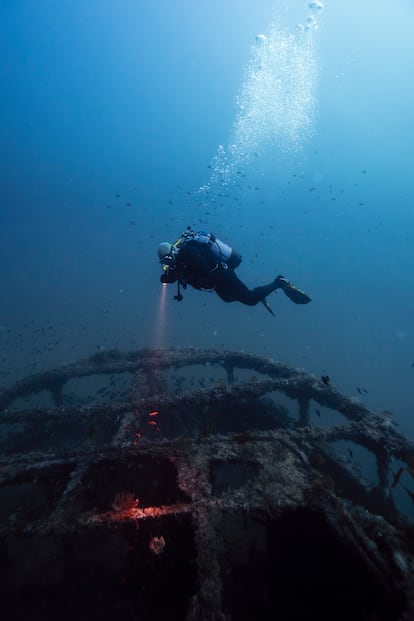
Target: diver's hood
x,y
164,249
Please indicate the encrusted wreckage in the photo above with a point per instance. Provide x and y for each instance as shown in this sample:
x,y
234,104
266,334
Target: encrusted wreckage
x,y
200,485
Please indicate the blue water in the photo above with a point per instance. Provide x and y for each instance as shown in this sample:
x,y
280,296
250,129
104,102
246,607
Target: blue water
x,y
313,180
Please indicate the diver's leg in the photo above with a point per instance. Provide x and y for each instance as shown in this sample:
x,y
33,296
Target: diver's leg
x,y
231,289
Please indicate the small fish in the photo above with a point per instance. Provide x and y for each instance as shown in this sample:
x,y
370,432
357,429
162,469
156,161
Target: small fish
x,y
350,453
412,365
325,380
118,195
154,413
318,412
397,476
359,390
152,422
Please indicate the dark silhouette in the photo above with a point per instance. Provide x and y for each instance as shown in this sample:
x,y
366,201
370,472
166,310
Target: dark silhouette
x,y
206,263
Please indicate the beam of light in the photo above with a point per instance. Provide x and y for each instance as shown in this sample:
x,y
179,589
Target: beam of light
x,y
160,325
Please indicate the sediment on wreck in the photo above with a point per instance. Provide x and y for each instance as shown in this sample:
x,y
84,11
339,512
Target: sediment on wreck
x,y
196,484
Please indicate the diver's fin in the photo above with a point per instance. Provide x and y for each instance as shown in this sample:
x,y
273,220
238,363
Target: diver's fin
x,y
267,306
293,293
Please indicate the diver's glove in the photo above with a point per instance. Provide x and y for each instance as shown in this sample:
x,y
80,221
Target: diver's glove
x,y
293,293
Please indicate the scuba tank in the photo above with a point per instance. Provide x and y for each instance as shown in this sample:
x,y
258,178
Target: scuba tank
x,y
221,251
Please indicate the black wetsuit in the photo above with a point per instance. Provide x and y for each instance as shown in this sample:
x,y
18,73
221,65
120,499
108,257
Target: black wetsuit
x,y
197,266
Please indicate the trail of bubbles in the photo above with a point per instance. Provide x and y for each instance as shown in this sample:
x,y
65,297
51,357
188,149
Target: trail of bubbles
x,y
276,104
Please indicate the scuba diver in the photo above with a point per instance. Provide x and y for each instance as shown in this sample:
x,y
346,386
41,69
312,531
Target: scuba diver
x,y
206,263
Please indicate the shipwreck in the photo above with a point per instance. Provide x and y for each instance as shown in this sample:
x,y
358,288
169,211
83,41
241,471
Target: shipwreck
x,y
194,484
